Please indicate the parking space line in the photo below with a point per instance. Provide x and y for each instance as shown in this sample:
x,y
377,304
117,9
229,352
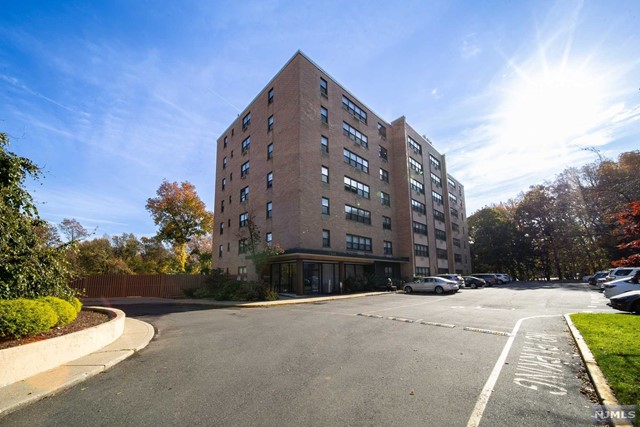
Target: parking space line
x,y
487,390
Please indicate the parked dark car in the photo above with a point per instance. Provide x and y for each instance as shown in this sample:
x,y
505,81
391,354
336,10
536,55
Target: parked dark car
x,y
594,279
628,301
491,279
474,282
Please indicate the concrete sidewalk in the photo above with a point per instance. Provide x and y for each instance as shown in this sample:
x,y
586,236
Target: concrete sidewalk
x,y
136,336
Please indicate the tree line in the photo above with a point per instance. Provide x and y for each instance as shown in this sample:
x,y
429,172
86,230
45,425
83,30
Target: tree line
x,y
35,259
583,221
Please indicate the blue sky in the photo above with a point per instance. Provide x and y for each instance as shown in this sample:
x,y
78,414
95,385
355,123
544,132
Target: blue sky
x,y
112,97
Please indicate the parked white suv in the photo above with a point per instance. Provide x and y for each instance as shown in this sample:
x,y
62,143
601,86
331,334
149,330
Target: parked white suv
x,y
620,286
621,273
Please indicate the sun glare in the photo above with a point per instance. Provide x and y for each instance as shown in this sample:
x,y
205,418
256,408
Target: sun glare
x,y
552,109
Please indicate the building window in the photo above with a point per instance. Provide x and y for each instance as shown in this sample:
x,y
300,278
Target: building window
x,y
269,210
220,251
222,228
224,183
351,107
242,246
222,206
231,176
224,142
437,198
382,131
414,145
435,179
417,186
324,115
232,154
421,250
457,258
384,175
356,187
353,213
385,199
441,254
270,151
454,212
434,162
441,234
437,215
325,206
355,135
418,207
358,243
244,194
386,223
270,96
452,184
246,121
455,227
384,154
269,238
423,271
388,248
224,162
323,87
415,165
270,124
419,228
242,273
244,219
270,180
326,238
453,198
356,161
245,145
456,242
324,144
244,169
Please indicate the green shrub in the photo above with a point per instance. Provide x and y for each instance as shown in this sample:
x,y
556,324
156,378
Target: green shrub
x,y
65,311
21,317
77,305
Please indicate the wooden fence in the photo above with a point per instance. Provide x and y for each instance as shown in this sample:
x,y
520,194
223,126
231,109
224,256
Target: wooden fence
x,y
143,285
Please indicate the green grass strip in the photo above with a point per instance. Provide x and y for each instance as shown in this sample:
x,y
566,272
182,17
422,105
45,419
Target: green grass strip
x,y
614,340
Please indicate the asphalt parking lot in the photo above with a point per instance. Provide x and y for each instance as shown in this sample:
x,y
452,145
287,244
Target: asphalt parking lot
x,y
494,356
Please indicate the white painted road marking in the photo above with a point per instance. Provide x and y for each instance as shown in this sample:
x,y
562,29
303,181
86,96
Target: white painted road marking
x,y
485,394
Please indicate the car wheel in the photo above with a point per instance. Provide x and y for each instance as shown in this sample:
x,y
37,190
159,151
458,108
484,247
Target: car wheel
x,y
636,307
407,289
473,286
439,290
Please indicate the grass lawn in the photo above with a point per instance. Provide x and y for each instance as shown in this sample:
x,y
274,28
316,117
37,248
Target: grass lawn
x,y
614,340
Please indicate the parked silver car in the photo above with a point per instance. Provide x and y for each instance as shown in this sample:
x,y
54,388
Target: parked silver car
x,y
438,285
455,277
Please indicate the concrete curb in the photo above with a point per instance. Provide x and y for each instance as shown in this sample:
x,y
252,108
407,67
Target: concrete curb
x,y
227,304
136,336
21,362
604,392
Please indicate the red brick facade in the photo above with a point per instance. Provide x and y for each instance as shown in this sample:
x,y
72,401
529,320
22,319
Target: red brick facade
x,y
359,243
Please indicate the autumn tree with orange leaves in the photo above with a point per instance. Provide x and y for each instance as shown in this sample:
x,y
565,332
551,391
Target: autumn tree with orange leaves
x,y
629,220
181,216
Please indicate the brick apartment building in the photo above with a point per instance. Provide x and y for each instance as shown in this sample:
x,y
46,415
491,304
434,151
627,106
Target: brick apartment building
x,y
341,190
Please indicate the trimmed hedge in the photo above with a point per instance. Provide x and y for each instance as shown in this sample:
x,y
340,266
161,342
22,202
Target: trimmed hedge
x,y
77,305
21,317
65,311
